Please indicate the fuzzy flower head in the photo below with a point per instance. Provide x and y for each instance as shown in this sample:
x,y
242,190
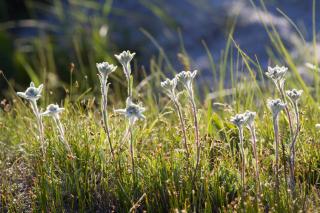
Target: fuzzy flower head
x,y
169,87
276,106
186,78
125,58
250,118
277,75
239,120
53,110
294,94
132,111
105,69
32,93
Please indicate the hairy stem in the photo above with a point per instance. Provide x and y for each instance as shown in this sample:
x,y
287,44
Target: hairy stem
x,y
35,110
132,156
254,147
104,93
293,150
61,132
177,105
276,141
242,158
196,129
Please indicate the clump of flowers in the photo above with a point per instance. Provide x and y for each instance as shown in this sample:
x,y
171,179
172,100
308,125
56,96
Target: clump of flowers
x,y
250,116
294,96
240,120
277,75
186,79
53,110
169,87
105,69
32,94
276,106
125,58
132,112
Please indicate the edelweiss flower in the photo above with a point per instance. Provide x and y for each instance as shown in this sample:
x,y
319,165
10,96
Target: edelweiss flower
x,y
186,77
276,106
125,58
132,111
32,93
170,87
294,94
250,117
53,110
239,120
277,74
105,69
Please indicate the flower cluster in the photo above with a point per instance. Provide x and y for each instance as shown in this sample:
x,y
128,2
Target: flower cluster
x,y
294,94
276,106
125,58
277,75
32,93
132,112
53,110
186,78
242,119
169,87
105,69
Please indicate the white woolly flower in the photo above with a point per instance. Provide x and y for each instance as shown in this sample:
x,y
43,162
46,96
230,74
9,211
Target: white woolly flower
x,y
276,106
132,111
125,58
105,69
52,110
294,94
278,75
186,78
239,120
250,118
170,87
32,93
317,126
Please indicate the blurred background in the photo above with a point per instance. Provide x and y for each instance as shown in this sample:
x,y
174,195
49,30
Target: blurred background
x,y
59,41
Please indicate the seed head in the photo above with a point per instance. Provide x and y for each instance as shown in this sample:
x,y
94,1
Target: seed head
x,y
32,93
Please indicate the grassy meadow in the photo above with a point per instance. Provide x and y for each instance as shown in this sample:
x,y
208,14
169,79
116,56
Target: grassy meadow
x,y
89,176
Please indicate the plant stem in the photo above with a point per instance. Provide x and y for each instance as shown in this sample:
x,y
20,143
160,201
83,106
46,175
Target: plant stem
x,y
254,147
293,151
242,157
35,110
132,156
176,103
196,129
61,132
276,140
127,71
104,92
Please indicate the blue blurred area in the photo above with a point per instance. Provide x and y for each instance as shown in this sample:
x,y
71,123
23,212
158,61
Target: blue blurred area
x,y
123,22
